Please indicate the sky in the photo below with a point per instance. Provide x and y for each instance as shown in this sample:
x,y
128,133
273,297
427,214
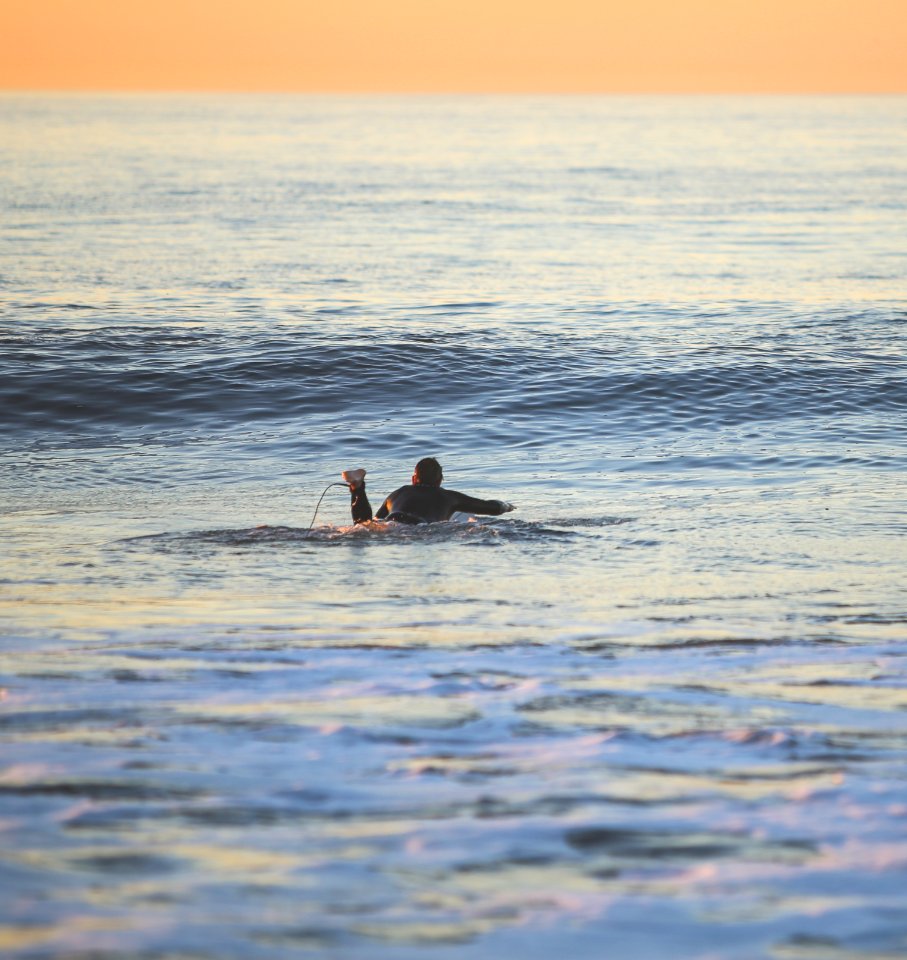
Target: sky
x,y
542,46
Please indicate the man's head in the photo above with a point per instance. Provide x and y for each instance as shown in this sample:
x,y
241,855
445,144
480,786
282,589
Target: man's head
x,y
428,472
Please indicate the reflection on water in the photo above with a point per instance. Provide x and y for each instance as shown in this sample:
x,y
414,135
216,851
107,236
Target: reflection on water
x,y
389,756
658,710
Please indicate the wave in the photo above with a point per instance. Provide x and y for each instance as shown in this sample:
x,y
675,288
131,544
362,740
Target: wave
x,y
64,379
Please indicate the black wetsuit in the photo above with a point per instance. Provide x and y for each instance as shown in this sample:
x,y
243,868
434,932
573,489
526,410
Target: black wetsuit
x,y
421,503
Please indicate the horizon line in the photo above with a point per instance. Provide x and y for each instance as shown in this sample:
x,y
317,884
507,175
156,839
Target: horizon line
x,y
231,91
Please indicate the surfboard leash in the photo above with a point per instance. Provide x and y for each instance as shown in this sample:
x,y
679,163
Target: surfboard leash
x,y
317,505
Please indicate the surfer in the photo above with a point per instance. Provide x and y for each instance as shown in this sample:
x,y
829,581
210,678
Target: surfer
x,y
422,501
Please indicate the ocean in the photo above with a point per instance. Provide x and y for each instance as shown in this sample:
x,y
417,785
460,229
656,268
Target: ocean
x,y
659,709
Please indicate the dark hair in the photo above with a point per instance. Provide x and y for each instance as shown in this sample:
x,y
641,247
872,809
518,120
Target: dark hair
x,y
428,470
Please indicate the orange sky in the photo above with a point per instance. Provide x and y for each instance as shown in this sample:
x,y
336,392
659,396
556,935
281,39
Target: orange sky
x,y
455,45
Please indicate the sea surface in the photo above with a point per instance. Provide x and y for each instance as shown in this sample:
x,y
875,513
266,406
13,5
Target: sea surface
x,y
657,711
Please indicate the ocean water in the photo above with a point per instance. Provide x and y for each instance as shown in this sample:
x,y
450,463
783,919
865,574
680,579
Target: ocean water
x,y
657,710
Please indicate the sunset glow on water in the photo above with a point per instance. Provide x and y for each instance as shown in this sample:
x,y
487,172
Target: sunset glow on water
x,y
658,710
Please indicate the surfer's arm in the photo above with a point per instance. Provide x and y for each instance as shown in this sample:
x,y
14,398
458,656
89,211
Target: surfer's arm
x,y
388,507
488,508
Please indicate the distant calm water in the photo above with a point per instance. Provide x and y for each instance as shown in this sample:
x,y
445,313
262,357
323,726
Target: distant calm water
x,y
659,711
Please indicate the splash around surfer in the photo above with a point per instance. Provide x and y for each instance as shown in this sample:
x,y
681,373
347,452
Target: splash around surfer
x,y
422,501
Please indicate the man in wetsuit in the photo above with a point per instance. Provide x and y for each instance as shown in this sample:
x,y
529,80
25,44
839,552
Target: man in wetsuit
x,y
422,501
